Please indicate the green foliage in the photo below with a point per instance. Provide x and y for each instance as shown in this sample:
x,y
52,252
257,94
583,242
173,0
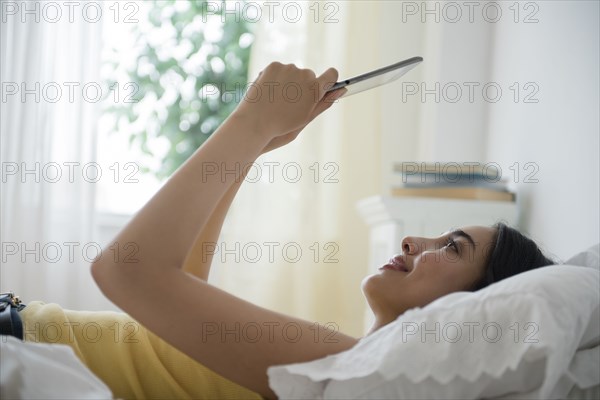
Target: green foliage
x,y
190,94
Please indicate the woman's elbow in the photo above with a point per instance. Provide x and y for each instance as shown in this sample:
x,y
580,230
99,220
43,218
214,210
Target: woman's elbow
x,y
112,279
127,283
100,274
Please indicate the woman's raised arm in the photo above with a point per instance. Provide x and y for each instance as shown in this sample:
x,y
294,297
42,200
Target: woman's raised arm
x,y
233,337
200,256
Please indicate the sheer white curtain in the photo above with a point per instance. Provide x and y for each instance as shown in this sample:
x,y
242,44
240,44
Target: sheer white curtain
x,y
48,149
338,157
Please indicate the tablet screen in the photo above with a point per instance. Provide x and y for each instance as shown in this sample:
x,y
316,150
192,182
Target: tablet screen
x,y
378,77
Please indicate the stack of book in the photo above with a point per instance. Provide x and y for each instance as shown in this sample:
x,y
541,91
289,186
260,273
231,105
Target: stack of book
x,y
452,180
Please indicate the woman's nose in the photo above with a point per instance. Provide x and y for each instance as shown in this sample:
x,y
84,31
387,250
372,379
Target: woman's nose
x,y
409,246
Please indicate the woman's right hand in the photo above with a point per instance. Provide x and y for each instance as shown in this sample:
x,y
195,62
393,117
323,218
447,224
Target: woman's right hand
x,y
323,105
284,99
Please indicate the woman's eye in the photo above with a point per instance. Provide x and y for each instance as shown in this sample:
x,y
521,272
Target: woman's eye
x,y
451,243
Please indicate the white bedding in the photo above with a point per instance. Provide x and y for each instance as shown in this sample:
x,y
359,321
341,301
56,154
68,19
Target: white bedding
x,y
562,355
45,371
570,360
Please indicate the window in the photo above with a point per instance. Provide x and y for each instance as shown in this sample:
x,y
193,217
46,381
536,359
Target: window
x,y
175,70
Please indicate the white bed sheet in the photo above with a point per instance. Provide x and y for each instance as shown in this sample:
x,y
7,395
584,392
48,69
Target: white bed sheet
x,y
45,371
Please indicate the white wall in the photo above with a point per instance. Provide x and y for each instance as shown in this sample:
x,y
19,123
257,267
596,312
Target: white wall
x,y
553,60
560,133
423,119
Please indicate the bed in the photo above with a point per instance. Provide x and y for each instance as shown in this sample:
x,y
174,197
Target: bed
x,y
534,335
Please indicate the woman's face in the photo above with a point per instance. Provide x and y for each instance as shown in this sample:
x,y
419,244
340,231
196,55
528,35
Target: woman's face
x,y
429,268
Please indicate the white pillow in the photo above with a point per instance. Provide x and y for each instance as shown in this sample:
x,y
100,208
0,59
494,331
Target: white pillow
x,y
544,316
587,258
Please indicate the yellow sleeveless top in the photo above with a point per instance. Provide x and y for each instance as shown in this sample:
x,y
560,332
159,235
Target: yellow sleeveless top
x,y
133,362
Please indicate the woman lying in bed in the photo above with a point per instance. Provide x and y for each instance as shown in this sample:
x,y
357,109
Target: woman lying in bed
x,y
167,291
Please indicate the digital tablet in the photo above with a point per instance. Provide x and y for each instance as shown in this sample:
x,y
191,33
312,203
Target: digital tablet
x,y
376,78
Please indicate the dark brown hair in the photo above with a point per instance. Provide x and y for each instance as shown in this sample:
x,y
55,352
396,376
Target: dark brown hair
x,y
512,254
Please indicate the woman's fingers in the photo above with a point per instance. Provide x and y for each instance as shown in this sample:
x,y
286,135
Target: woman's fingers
x,y
285,98
327,101
327,80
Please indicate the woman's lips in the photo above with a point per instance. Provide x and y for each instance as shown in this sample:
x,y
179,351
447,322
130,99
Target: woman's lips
x,y
395,264
392,267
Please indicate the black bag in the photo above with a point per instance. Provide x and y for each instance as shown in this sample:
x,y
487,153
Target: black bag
x,y
10,321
